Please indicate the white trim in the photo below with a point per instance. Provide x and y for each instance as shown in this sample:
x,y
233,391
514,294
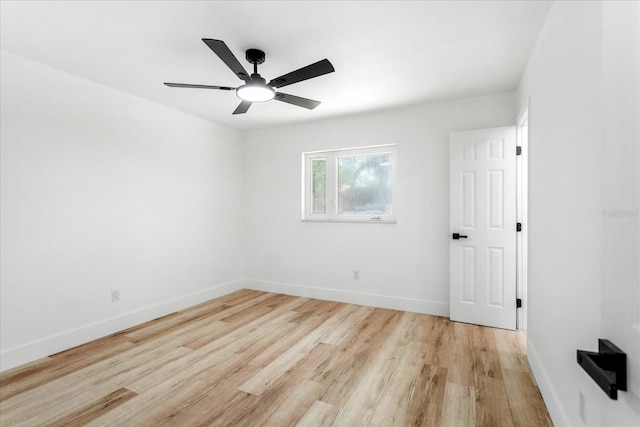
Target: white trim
x,y
551,399
414,305
522,246
350,148
44,347
360,221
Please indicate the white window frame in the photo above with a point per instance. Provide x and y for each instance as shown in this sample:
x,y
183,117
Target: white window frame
x,y
331,157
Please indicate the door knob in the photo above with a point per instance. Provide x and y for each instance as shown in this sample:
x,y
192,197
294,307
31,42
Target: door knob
x,y
457,236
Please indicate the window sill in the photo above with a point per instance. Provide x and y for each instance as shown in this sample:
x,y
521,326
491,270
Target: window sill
x,y
360,221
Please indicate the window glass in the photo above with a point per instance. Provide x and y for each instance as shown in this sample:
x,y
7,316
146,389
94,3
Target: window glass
x,y
364,185
319,186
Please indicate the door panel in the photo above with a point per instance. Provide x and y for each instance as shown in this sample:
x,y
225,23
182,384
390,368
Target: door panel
x,y
483,212
469,274
469,199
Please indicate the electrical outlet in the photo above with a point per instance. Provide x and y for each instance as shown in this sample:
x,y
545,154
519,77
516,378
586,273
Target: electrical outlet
x,y
115,295
356,274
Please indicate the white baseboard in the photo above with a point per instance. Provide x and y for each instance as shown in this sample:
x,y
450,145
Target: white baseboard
x,y
35,350
414,305
556,412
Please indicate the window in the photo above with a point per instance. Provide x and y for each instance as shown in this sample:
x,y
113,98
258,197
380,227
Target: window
x,y
354,184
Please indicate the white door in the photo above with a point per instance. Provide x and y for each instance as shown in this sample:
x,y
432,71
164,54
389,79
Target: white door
x,y
483,227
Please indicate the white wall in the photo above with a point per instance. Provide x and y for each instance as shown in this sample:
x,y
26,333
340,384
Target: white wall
x,y
103,190
621,199
403,265
582,152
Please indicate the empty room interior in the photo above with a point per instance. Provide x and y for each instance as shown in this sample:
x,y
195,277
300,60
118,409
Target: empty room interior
x,y
315,213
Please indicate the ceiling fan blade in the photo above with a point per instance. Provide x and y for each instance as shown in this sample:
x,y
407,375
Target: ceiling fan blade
x,y
296,100
223,52
310,71
198,86
243,107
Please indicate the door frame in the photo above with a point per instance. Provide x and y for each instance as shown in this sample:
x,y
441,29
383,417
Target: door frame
x,y
522,193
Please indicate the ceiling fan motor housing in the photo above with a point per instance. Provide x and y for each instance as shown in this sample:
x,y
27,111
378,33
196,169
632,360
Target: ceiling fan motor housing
x,y
255,56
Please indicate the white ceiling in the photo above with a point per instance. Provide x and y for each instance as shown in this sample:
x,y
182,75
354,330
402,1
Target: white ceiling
x,y
387,54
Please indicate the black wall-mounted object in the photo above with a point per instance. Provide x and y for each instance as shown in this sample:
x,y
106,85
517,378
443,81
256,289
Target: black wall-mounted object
x,y
607,367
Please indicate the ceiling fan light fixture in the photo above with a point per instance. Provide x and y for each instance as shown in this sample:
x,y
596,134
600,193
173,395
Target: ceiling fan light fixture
x,y
255,93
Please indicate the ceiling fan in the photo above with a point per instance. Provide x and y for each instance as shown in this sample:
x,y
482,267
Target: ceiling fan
x,y
255,88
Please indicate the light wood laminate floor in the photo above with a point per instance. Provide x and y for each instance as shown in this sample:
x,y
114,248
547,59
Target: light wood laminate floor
x,y
253,358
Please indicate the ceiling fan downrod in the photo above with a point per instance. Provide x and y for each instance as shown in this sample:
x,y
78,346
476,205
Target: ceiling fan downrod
x,y
255,57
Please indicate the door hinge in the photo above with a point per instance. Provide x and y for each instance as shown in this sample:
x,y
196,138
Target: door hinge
x,y
518,302
518,226
518,150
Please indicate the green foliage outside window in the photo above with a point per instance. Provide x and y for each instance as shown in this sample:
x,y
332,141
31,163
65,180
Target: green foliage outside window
x,y
364,184
319,186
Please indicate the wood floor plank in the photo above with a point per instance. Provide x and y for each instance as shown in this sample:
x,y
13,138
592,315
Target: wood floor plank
x,y
186,366
514,361
234,299
314,307
483,338
300,391
459,406
426,397
94,409
486,362
240,405
257,358
168,324
320,414
180,400
142,409
43,405
432,328
58,365
510,341
271,373
251,409
344,370
347,317
278,347
392,408
372,385
202,407
292,409
436,331
522,391
278,367
246,315
492,405
237,330
278,300
461,356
